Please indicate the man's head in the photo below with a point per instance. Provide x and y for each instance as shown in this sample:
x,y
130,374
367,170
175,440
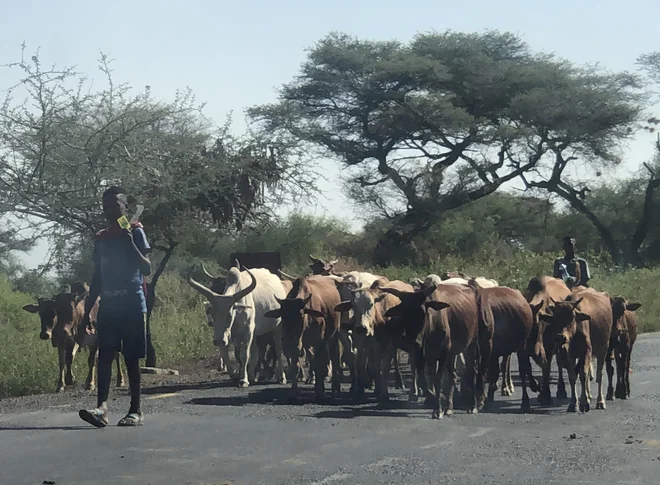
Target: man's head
x,y
114,203
569,245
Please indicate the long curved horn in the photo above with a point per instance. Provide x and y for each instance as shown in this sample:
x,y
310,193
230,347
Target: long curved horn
x,y
237,265
207,292
313,258
286,276
393,291
246,291
206,272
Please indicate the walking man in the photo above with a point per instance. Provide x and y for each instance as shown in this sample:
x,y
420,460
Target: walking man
x,y
120,264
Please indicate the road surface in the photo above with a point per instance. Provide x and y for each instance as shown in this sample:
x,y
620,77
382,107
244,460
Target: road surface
x,y
207,432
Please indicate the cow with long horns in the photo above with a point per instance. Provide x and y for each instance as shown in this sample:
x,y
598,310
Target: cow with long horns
x,y
239,315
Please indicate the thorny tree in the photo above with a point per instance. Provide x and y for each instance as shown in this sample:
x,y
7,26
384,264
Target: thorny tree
x,y
430,126
65,143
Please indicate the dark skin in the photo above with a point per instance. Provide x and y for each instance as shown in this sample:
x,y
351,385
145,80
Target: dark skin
x,y
569,249
114,206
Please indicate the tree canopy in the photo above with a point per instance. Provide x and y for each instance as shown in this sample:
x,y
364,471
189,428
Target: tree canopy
x,y
429,126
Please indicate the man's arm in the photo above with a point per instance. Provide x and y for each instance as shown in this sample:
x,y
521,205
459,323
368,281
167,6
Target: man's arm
x,y
585,270
140,249
555,270
94,289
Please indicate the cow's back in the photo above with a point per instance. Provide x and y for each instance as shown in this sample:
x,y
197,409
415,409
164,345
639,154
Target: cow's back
x,y
597,305
460,319
543,288
507,311
269,287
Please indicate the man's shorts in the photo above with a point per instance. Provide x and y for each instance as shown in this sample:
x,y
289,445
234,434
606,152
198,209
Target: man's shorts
x,y
123,333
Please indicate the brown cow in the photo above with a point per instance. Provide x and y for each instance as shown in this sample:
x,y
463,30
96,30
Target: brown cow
x,y
374,334
581,326
447,325
543,290
505,323
624,334
61,323
310,324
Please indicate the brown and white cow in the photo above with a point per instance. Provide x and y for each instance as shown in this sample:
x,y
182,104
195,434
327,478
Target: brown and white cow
x,y
505,323
581,326
622,340
374,334
310,326
543,290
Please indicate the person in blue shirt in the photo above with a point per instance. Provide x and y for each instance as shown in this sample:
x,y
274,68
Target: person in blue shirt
x,y
120,264
573,270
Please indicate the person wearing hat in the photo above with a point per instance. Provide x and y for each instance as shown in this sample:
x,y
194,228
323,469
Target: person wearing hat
x,y
573,270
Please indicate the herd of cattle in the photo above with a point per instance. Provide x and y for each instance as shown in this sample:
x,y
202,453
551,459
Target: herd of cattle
x,y
452,326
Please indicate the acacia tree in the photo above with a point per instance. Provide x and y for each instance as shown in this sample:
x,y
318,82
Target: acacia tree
x,y
427,127
65,143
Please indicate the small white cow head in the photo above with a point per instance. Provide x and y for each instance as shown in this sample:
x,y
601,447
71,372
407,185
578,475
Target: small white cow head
x,y
363,303
226,308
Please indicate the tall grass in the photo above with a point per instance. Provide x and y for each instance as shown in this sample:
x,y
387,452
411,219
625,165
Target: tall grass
x,y
29,365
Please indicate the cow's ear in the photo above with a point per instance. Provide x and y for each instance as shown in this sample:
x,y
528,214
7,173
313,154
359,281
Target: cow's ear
x,y
436,305
633,307
380,297
31,308
344,306
536,308
314,313
581,317
547,318
273,313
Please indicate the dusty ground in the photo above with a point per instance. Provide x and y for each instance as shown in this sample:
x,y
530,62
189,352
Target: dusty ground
x,y
200,429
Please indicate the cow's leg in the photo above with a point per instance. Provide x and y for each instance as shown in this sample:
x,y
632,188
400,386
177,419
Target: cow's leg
x,y
259,346
321,357
90,382
572,378
545,398
589,377
121,378
523,370
493,376
505,368
398,377
294,368
279,353
224,365
335,361
61,354
253,361
509,380
585,366
450,365
610,376
533,384
561,385
386,351
600,402
620,392
243,348
627,369
70,354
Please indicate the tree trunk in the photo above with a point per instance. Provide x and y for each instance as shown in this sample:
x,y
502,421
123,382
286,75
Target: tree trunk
x,y
151,299
401,235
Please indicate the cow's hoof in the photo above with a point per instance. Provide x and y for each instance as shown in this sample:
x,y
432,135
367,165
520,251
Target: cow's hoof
x,y
610,394
89,386
449,412
59,389
600,405
585,407
121,384
473,410
243,383
506,392
436,414
561,394
572,408
69,381
413,398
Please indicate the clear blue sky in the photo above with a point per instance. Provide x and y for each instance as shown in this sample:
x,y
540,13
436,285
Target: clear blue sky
x,y
235,54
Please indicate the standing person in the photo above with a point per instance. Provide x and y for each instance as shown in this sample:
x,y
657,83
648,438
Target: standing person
x,y
573,270
120,264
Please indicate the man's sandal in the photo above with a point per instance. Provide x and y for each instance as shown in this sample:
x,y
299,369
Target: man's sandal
x,y
95,417
131,419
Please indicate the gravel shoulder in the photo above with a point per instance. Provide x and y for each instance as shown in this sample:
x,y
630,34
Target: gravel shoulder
x,y
200,429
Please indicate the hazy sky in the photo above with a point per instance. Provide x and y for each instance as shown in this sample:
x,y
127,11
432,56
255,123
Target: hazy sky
x,y
235,54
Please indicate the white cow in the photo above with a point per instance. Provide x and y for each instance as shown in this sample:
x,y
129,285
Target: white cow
x,y
239,315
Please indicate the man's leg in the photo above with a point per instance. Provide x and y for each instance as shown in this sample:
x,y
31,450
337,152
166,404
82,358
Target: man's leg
x,y
134,337
108,345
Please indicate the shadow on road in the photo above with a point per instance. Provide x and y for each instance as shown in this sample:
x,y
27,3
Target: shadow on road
x,y
199,386
44,428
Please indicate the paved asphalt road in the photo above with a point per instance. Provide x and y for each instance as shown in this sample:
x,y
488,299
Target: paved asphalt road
x,y
211,433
